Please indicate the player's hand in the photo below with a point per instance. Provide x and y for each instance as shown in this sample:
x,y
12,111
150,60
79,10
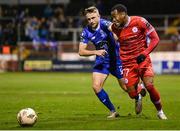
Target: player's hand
x,y
140,58
101,52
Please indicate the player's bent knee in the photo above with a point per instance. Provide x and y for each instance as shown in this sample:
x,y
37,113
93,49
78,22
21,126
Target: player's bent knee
x,y
97,88
148,81
149,85
132,94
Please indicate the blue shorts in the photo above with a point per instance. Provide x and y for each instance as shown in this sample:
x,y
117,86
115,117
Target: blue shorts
x,y
106,69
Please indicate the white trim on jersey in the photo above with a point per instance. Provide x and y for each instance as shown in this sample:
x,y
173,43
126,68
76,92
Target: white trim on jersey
x,y
151,30
129,19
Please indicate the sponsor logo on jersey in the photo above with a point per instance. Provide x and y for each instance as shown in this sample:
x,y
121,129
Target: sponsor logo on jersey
x,y
125,80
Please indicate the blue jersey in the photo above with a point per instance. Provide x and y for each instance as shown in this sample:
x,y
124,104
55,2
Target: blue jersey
x,y
102,38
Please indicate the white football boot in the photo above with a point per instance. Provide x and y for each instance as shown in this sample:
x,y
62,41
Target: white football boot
x,y
161,115
113,115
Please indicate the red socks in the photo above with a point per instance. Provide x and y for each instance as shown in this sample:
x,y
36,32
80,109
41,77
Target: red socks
x,y
154,95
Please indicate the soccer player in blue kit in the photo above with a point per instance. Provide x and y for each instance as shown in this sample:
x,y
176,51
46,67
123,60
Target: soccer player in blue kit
x,y
107,55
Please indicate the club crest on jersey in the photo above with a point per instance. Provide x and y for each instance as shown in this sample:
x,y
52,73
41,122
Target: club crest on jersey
x,y
125,80
134,29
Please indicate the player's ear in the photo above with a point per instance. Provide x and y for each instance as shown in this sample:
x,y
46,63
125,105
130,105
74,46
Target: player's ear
x,y
123,14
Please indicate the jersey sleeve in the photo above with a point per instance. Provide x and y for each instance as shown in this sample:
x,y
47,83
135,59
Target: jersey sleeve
x,y
106,23
146,26
151,34
84,37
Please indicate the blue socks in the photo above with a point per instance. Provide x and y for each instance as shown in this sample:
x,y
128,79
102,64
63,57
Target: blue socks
x,y
104,98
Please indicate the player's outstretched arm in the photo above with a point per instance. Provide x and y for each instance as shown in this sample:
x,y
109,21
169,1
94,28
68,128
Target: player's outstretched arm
x,y
83,51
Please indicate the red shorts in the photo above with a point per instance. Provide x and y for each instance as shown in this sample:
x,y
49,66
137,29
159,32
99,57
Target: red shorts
x,y
132,73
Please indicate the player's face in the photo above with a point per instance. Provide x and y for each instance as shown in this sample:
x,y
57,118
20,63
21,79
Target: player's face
x,y
118,18
93,19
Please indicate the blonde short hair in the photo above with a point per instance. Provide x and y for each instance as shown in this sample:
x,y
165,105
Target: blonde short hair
x,y
91,9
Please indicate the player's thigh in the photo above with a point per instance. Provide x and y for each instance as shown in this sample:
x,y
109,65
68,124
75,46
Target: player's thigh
x,y
146,69
122,84
98,80
116,70
146,73
148,80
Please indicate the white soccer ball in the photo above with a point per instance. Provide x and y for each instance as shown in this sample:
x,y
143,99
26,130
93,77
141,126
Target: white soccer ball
x,y
27,117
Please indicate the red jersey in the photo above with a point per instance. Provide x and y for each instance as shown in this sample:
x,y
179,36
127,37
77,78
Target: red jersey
x,y
133,39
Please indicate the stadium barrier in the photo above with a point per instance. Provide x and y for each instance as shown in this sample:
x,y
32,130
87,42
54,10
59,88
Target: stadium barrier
x,y
166,62
8,62
64,58
56,65
163,63
69,66
37,65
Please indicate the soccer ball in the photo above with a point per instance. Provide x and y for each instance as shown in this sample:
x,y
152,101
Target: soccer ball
x,y
27,117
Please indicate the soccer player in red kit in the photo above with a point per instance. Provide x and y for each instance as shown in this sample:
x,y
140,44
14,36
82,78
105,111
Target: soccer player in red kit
x,y
137,39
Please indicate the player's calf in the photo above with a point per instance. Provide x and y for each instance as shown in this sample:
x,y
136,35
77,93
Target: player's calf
x,y
138,100
141,89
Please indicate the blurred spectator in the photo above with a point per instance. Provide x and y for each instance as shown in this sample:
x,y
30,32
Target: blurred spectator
x,y
70,22
174,33
91,2
37,21
100,6
24,14
48,11
9,34
61,20
1,12
32,28
1,35
80,22
10,11
44,29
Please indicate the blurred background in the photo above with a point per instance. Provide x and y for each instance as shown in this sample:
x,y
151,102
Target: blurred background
x,y
43,35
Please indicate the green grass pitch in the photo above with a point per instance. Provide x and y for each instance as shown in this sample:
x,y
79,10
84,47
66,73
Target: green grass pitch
x,y
66,101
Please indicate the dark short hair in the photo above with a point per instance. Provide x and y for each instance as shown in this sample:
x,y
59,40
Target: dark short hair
x,y
119,8
90,9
